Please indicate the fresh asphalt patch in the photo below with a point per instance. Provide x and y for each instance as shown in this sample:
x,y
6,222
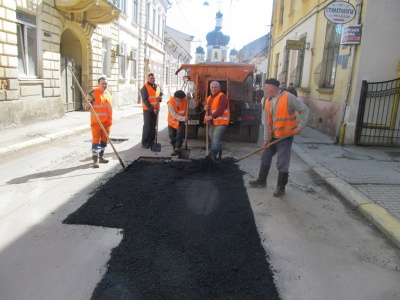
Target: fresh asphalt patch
x,y
188,233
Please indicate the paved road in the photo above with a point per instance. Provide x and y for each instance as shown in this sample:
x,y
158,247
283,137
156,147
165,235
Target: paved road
x,y
316,244
366,177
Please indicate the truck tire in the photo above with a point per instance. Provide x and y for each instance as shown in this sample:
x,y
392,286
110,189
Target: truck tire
x,y
192,131
244,133
254,133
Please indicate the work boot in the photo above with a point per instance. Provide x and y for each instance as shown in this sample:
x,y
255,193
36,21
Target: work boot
x,y
95,161
261,181
102,160
283,179
177,149
173,149
213,155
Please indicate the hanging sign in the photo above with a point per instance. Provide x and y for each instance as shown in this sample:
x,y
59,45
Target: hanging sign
x,y
294,44
351,34
340,12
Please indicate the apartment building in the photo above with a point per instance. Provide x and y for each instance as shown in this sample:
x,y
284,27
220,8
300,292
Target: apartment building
x,y
53,50
343,59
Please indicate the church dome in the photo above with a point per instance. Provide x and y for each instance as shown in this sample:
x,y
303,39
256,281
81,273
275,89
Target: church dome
x,y
216,37
233,52
200,50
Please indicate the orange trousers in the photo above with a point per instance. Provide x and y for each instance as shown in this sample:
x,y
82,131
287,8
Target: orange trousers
x,y
99,139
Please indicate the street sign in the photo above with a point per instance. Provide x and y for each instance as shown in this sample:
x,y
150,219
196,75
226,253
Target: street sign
x,y
295,45
351,34
340,12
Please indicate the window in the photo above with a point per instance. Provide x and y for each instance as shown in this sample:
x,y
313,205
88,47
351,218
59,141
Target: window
x,y
281,9
292,5
135,10
27,44
159,26
297,74
148,16
122,5
122,65
276,65
331,52
167,80
104,56
134,67
154,21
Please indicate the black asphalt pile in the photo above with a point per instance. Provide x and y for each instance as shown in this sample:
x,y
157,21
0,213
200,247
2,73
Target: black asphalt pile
x,y
188,233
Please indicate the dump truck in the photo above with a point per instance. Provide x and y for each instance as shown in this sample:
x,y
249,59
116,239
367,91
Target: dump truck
x,y
236,81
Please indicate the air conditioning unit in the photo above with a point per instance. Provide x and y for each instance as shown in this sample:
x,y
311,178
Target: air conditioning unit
x,y
121,50
132,55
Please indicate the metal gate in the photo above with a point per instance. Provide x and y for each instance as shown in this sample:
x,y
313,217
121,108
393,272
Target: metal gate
x,y
69,94
378,120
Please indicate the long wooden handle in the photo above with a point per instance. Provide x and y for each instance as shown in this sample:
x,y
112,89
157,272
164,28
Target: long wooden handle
x,y
206,135
262,148
95,114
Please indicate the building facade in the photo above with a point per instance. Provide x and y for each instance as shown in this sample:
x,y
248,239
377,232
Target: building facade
x,y
54,51
328,49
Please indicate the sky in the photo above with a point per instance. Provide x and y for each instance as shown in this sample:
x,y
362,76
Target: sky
x,y
243,20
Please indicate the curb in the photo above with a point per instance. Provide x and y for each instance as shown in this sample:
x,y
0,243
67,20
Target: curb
x,y
44,139
388,224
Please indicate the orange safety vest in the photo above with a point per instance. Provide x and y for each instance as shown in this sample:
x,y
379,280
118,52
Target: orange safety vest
x,y
153,97
284,123
224,118
173,122
102,106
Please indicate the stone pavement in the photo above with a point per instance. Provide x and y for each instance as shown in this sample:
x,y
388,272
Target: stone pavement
x,y
368,178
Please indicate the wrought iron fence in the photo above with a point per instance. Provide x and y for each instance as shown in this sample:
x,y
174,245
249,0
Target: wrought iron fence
x,y
378,120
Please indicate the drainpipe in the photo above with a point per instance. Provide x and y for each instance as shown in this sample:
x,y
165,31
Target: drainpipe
x,y
270,39
341,131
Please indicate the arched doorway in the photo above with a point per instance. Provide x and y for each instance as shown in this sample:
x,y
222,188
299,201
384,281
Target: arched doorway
x,y
71,55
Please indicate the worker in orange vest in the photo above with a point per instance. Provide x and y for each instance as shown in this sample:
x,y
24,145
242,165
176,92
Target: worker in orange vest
x,y
218,114
101,104
177,117
280,121
151,98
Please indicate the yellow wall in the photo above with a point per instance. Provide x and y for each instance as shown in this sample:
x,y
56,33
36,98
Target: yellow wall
x,y
308,18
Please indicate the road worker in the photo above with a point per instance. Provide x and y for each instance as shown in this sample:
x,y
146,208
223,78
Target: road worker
x,y
280,121
217,114
101,102
177,117
151,98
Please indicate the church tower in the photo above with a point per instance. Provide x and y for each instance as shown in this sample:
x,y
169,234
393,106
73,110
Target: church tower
x,y
217,42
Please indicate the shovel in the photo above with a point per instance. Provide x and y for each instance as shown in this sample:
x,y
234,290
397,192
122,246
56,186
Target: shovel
x,y
207,136
156,147
184,152
262,148
97,117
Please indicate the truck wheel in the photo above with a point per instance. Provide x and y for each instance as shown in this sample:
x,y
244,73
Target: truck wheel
x,y
244,133
193,131
254,133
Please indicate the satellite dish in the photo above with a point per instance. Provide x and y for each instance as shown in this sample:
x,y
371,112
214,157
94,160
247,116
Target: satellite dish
x,y
187,70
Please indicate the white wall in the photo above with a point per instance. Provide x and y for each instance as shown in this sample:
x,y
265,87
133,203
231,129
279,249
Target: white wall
x,y
378,52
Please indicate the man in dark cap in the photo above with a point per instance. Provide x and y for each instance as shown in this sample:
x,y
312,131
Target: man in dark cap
x,y
280,121
177,116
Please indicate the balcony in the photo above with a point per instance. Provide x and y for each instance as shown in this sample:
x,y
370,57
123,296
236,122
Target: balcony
x,y
94,12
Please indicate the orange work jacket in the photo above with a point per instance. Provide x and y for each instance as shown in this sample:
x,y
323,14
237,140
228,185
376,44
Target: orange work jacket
x,y
173,122
224,118
284,123
102,106
153,97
